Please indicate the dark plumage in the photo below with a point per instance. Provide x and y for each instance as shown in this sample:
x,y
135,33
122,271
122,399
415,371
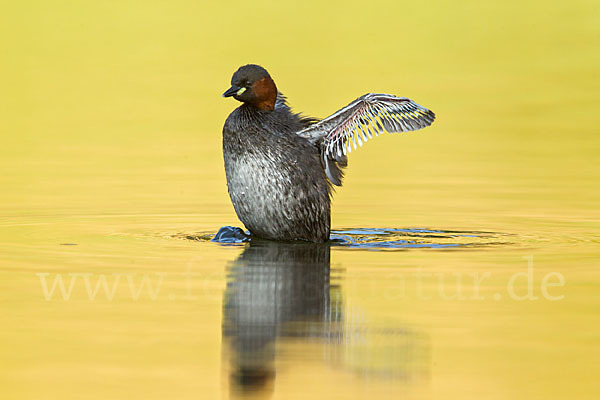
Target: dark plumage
x,y
280,166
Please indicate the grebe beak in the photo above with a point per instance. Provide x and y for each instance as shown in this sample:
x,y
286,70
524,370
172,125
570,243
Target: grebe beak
x,y
232,91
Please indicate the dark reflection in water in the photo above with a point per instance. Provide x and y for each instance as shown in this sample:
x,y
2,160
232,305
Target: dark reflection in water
x,y
278,291
269,285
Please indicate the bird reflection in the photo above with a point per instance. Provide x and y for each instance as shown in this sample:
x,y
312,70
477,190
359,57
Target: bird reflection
x,y
281,290
269,285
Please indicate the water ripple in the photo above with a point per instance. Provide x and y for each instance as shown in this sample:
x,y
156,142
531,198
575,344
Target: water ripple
x,y
376,238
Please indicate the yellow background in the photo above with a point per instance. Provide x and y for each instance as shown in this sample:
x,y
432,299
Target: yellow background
x,y
111,121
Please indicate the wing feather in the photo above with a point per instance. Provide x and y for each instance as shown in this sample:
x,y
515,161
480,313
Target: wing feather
x,y
369,115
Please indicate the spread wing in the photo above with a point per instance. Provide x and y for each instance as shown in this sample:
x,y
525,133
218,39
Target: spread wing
x,y
371,114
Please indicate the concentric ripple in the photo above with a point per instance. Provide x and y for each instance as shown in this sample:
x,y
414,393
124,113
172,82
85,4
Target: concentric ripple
x,y
400,238
376,238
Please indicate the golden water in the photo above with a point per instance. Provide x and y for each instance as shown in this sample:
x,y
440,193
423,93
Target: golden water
x,y
111,119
